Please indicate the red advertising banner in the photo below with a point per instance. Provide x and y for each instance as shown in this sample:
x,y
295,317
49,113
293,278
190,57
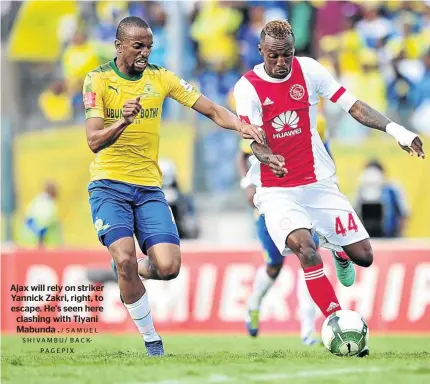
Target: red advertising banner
x,y
209,295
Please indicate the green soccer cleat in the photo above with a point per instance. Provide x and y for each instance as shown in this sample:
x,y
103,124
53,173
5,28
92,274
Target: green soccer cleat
x,y
345,270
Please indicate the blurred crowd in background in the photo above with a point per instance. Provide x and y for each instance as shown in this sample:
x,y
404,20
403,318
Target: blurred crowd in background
x,y
380,51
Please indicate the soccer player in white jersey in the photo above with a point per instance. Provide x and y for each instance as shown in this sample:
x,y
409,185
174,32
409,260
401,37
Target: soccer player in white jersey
x,y
267,274
294,175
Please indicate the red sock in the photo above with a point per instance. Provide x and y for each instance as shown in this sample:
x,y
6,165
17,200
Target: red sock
x,y
321,290
342,255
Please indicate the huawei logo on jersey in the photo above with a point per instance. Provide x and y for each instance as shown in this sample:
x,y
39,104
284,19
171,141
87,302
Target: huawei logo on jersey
x,y
297,92
288,120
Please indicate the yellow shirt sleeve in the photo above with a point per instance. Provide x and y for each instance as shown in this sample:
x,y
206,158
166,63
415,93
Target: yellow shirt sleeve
x,y
180,90
245,146
93,91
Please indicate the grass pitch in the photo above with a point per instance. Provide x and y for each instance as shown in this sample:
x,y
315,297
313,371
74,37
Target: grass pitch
x,y
214,359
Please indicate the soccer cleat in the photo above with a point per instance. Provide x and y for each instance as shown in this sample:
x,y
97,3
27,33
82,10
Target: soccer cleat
x,y
252,321
154,348
113,266
345,270
309,341
364,353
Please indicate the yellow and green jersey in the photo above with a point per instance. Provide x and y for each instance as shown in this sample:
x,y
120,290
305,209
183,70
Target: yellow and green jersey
x,y
133,158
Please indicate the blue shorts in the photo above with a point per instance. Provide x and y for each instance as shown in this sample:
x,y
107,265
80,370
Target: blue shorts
x,y
121,210
271,252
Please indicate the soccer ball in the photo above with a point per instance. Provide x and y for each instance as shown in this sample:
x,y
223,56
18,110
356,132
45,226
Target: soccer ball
x,y
345,333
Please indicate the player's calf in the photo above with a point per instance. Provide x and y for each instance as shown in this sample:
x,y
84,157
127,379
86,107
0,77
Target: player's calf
x,y
133,293
123,253
320,288
360,253
302,244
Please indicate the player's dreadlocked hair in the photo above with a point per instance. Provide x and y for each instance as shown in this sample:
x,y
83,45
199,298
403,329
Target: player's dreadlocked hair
x,y
278,29
131,21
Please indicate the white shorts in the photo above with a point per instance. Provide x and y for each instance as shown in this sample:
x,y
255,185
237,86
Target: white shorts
x,y
319,207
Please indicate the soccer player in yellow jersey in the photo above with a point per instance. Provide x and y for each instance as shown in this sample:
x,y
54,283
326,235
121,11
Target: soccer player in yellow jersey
x,y
123,102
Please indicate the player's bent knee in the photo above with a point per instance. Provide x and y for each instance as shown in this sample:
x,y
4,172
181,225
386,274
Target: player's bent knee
x,y
360,253
169,271
366,258
166,258
124,255
273,270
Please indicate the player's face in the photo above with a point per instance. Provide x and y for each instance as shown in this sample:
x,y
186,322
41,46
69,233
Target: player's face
x,y
278,56
134,49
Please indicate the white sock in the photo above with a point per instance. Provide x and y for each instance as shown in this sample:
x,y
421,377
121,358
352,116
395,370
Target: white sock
x,y
307,308
141,315
262,283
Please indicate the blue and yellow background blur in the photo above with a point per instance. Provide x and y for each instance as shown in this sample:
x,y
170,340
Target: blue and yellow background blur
x,y
377,50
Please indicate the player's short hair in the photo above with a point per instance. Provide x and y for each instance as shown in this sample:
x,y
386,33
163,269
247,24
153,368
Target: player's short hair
x,y
278,29
130,21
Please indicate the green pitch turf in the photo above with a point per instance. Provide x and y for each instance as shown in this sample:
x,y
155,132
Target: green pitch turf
x,y
214,359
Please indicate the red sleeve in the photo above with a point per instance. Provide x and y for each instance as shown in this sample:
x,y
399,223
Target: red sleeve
x,y
337,94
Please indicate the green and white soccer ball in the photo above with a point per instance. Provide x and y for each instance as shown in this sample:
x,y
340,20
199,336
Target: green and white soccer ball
x,y
345,333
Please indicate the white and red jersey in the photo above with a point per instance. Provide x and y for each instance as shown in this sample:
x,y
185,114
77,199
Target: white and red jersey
x,y
287,111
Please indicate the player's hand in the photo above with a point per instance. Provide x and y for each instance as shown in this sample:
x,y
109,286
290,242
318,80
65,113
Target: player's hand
x,y
131,109
250,131
277,165
416,146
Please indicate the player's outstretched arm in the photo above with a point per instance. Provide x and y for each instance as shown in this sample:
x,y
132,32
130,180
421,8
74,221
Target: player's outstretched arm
x,y
99,137
366,115
228,120
326,86
265,155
